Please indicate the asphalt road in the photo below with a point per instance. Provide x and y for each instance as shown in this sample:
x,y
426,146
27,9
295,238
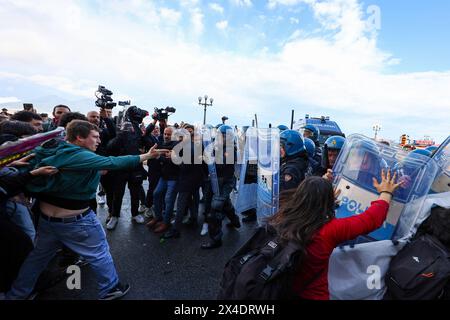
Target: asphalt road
x,y
172,269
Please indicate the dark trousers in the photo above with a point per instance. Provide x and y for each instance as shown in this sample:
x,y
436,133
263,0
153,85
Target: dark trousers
x,y
107,182
15,246
134,185
153,179
187,200
221,207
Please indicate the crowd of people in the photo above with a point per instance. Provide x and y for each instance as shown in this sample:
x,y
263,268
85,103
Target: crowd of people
x,y
49,198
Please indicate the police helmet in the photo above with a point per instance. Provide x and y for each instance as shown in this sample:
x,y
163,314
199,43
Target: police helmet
x,y
335,142
310,147
423,152
292,141
282,127
314,130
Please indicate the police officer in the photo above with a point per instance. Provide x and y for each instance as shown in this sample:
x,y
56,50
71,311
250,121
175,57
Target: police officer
x,y
294,160
220,203
313,133
332,147
314,167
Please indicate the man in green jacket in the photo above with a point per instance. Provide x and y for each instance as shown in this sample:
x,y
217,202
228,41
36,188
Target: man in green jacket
x,y
65,216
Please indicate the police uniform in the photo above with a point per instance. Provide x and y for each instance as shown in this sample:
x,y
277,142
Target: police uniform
x,y
292,172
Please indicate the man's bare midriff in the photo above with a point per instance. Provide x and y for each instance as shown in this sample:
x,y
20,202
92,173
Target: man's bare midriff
x,y
57,212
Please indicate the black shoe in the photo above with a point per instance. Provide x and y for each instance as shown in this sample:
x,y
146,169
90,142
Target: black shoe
x,y
249,218
234,223
212,244
191,223
248,212
172,233
117,292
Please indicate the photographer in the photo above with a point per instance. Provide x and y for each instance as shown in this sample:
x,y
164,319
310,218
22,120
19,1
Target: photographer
x,y
103,120
126,143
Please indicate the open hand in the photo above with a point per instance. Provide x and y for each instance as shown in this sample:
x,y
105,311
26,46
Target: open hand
x,y
387,183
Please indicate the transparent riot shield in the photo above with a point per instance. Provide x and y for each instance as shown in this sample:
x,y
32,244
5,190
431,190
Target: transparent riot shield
x,y
246,198
208,153
268,173
442,157
361,160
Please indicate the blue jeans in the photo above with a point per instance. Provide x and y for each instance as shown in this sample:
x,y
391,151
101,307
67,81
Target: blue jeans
x,y
85,237
165,195
20,215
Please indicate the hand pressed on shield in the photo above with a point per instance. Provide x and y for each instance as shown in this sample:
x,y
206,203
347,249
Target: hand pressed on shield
x,y
387,186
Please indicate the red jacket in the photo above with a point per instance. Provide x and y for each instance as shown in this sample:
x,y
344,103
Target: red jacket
x,y
323,243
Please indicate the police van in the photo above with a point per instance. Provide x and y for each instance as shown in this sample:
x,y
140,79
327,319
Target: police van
x,y
327,127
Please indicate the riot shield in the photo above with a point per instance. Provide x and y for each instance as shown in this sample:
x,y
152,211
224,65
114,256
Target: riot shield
x,y
359,162
208,153
268,173
246,198
442,158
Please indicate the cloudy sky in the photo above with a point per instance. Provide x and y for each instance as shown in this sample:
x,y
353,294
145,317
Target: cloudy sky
x,y
361,63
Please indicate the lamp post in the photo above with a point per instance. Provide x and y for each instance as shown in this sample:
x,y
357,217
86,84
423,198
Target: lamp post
x,y
376,128
204,102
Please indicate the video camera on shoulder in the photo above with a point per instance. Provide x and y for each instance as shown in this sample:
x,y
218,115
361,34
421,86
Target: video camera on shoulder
x,y
163,113
135,115
104,99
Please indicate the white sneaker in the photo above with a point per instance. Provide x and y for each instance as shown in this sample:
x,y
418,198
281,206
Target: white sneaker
x,y
139,219
102,200
142,208
204,231
112,223
149,213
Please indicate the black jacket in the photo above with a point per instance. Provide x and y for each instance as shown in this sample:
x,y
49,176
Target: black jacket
x,y
126,143
192,173
107,133
225,170
169,170
292,171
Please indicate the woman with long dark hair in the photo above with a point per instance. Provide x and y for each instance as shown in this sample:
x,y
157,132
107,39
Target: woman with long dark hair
x,y
307,217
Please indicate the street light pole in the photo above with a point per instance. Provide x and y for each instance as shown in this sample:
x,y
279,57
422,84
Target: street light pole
x,y
205,104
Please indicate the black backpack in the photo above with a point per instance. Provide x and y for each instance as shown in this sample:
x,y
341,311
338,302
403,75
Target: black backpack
x,y
262,269
420,271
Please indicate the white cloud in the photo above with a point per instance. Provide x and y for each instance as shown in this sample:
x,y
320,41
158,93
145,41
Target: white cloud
x,y
242,3
216,7
345,74
222,25
170,16
197,21
294,20
8,99
273,3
